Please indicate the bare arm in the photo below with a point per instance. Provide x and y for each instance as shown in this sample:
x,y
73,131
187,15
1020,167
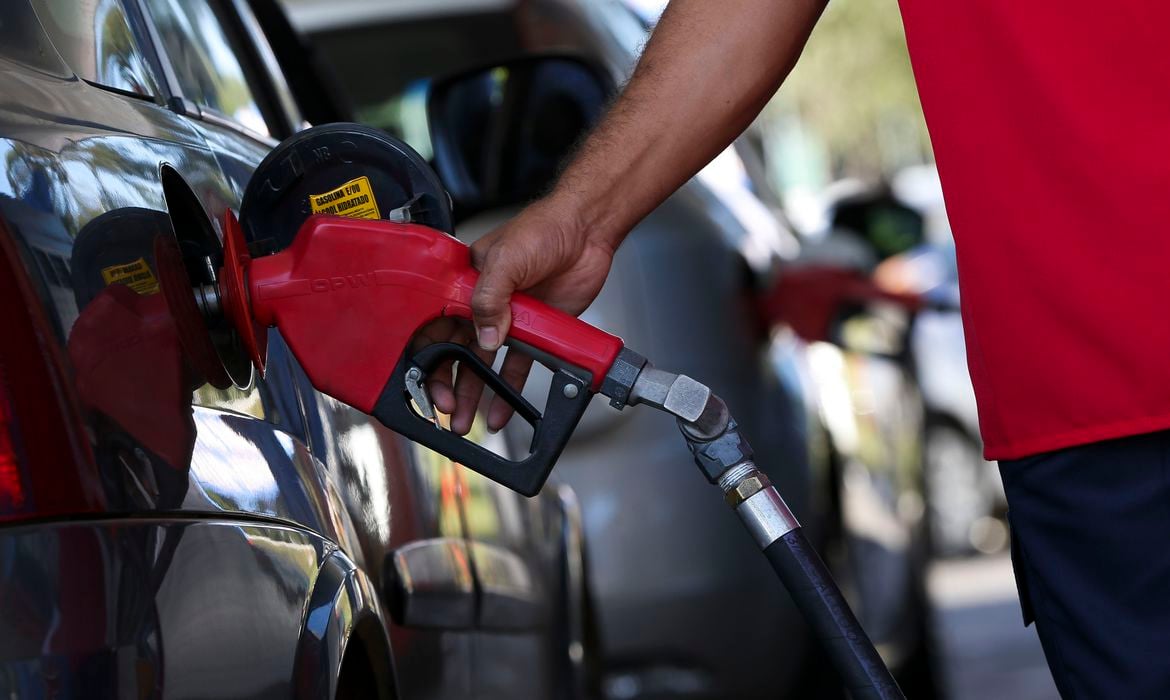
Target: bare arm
x,y
707,71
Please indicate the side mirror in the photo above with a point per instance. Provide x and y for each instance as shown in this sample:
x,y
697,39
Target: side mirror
x,y
501,133
886,226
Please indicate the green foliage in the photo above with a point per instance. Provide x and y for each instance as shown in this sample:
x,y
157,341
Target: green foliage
x,y
853,87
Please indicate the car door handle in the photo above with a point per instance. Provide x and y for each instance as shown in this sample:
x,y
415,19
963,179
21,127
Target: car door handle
x,y
510,598
429,584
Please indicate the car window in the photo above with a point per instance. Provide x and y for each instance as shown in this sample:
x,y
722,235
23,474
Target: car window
x,y
647,10
206,61
404,115
628,23
418,50
95,39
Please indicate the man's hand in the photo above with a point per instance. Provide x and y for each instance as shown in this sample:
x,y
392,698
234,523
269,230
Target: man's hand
x,y
545,252
707,71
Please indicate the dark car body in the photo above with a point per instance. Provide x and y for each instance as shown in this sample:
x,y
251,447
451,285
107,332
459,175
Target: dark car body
x,y
683,603
161,537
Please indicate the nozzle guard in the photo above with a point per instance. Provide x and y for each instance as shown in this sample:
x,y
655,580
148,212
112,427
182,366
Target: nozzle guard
x,y
233,287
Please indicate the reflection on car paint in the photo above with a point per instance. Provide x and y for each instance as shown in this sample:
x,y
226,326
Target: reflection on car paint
x,y
361,443
99,44
170,589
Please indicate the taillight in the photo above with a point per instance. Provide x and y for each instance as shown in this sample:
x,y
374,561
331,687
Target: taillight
x,y
12,496
45,465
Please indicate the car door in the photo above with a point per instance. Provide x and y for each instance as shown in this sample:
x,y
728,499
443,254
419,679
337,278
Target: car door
x,y
208,591
399,499
517,547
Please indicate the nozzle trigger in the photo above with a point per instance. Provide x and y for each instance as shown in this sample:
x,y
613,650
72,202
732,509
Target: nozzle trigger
x,y
567,399
418,393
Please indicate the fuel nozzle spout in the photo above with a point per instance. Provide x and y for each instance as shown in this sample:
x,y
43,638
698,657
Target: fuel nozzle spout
x,y
207,300
210,307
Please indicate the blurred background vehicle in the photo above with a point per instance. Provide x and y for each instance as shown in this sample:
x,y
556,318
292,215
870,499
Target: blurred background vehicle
x,y
897,234
841,433
967,504
172,525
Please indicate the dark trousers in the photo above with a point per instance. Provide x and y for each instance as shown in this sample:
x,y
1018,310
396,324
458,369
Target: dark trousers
x,y
1091,550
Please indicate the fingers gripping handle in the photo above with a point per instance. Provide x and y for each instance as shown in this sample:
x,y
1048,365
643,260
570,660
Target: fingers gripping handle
x,y
579,354
567,400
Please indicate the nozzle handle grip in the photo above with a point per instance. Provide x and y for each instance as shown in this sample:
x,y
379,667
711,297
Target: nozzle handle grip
x,y
564,339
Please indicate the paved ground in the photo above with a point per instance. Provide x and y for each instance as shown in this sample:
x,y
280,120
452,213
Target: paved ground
x,y
987,651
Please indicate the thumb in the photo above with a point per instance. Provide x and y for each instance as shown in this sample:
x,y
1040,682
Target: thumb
x,y
490,302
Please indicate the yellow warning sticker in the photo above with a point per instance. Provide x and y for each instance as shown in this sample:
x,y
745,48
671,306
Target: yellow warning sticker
x,y
135,275
354,199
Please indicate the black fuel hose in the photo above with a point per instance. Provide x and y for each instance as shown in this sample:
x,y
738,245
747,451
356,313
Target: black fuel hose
x,y
816,595
725,458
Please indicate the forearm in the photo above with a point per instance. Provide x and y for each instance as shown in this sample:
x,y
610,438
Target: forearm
x,y
707,71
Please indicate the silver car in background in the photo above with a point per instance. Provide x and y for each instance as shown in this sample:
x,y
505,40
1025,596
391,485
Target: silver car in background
x,y
680,602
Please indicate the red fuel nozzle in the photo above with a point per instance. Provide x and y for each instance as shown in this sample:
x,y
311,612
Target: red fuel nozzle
x,y
349,295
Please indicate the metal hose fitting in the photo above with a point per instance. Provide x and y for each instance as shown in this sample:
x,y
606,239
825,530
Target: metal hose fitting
x,y
741,482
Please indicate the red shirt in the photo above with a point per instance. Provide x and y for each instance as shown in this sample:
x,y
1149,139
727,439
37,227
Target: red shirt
x,y
1051,127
